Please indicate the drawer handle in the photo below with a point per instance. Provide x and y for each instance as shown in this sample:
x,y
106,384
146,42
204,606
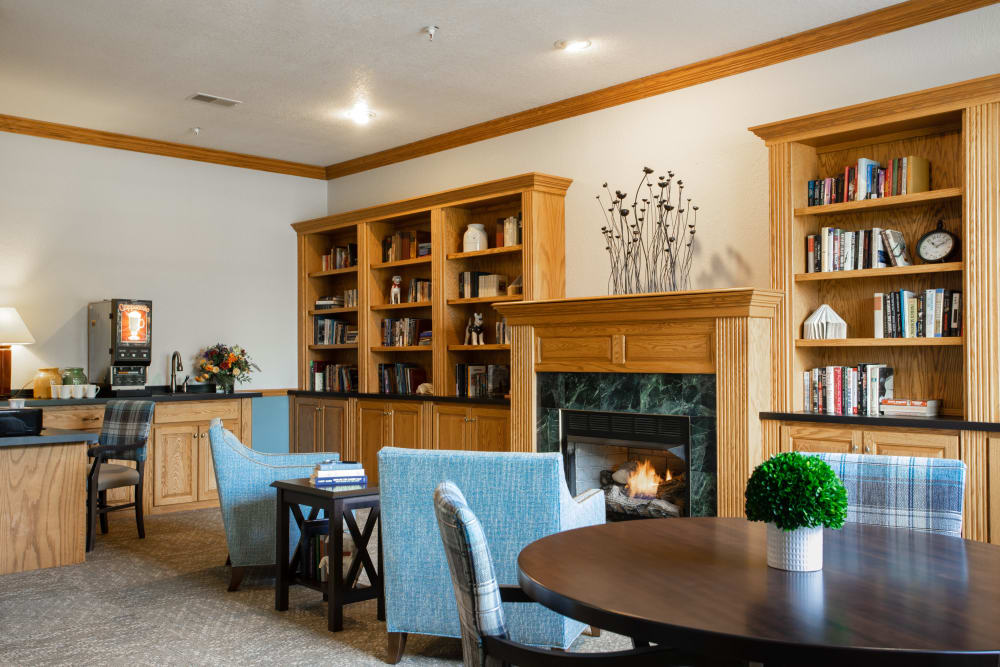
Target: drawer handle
x,y
868,449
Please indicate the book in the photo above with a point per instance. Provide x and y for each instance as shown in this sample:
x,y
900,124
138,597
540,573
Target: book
x,y
908,406
346,473
824,323
337,464
869,179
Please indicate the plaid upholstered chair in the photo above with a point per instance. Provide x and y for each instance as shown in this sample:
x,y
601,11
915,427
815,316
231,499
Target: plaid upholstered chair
x,y
485,640
902,491
123,437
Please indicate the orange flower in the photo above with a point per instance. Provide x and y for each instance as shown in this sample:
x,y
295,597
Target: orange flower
x,y
231,358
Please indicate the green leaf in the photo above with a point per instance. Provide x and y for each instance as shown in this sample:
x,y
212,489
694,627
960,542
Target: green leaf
x,y
796,491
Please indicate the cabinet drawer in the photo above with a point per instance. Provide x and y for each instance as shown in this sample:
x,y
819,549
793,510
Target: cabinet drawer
x,y
196,411
820,439
77,418
911,443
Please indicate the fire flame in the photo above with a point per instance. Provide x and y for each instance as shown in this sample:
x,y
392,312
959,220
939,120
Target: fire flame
x,y
643,482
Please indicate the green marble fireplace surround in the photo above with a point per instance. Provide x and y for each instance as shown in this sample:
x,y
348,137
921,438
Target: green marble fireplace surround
x,y
689,395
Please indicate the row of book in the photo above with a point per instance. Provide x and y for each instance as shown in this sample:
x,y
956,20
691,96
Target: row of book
x,y
932,313
406,244
400,378
404,331
847,390
337,474
314,562
503,331
482,380
330,376
869,179
472,284
419,290
840,250
508,231
341,257
349,299
332,331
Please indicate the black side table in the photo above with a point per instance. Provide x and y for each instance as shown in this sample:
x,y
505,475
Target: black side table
x,y
337,506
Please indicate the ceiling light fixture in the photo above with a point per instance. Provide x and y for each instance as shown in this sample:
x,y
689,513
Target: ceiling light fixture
x,y
429,30
360,113
573,45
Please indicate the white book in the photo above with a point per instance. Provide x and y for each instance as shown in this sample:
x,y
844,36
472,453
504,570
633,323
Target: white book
x,y
831,395
939,312
853,392
824,323
806,383
348,472
930,313
879,321
827,247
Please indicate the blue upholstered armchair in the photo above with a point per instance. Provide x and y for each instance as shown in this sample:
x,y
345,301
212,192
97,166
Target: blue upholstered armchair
x,y
247,499
518,498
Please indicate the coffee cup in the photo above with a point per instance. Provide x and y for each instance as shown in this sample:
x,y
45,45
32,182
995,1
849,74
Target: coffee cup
x,y
90,390
15,403
65,390
76,390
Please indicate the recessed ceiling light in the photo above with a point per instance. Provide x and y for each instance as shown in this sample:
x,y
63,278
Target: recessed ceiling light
x,y
360,113
573,44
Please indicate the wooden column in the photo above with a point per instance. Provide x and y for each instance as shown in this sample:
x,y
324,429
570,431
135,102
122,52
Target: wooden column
x,y
780,200
523,423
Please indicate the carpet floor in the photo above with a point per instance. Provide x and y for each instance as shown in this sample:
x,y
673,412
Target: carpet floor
x,y
163,601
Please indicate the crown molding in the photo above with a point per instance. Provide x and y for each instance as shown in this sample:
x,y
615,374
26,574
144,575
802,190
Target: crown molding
x,y
81,135
848,31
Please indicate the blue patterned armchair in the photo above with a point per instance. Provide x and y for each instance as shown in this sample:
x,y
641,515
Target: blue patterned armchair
x,y
518,498
247,499
902,491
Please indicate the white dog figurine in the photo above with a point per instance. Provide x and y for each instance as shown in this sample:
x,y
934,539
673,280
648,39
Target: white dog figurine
x,y
475,331
396,291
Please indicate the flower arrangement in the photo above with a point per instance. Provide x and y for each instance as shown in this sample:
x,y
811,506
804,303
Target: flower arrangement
x,y
795,491
226,366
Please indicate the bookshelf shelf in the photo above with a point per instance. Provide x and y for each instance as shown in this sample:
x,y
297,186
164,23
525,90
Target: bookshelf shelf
x,y
485,253
952,341
403,348
332,311
916,269
333,272
401,306
882,203
478,348
338,346
485,299
426,259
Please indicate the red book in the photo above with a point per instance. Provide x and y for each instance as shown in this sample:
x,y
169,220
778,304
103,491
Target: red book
x,y
838,387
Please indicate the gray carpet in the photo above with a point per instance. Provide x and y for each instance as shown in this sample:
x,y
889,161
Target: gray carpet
x,y
163,601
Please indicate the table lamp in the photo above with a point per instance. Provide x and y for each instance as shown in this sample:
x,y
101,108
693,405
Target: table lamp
x,y
12,332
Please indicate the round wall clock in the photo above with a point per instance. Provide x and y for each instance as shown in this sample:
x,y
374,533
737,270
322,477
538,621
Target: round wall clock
x,y
937,245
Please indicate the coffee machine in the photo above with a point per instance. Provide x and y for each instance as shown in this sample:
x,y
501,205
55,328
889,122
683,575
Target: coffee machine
x,y
120,345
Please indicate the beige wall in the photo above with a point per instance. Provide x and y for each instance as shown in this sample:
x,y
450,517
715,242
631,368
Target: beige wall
x,y
700,133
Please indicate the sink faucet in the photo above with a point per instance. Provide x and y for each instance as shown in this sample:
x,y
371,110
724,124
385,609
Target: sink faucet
x,y
175,365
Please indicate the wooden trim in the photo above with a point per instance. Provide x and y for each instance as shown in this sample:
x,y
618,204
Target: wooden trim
x,y
912,269
265,392
82,135
975,519
848,31
895,201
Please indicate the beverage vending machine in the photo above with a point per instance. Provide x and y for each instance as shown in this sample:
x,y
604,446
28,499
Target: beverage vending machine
x,y
119,345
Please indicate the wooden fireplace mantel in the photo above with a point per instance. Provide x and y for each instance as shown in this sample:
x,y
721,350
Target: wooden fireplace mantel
x,y
726,332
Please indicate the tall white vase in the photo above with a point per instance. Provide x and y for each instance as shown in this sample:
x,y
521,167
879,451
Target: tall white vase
x,y
475,238
799,550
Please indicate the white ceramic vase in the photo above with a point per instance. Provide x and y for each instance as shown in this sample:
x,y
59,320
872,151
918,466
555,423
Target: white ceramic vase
x,y
475,238
799,550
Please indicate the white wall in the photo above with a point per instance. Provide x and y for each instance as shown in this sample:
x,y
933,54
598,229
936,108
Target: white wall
x,y
701,134
209,244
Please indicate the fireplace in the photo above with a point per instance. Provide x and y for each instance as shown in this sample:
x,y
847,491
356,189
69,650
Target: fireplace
x,y
642,462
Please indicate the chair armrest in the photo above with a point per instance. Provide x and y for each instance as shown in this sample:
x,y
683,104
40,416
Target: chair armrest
x,y
105,451
586,509
308,459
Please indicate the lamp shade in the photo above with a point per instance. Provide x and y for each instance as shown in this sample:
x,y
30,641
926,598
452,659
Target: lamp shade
x,y
12,328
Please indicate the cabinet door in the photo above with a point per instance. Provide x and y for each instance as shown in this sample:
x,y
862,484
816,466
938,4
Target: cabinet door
x,y
405,424
305,421
175,464
820,439
912,443
373,420
333,426
490,429
207,489
451,426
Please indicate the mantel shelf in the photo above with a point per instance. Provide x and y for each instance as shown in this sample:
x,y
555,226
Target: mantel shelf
x,y
484,253
881,342
944,267
474,348
426,259
881,203
485,299
401,306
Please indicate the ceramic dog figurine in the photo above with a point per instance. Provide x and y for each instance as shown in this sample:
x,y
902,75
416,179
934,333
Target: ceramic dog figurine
x,y
396,291
475,331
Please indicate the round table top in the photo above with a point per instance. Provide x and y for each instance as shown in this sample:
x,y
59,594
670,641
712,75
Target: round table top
x,y
703,584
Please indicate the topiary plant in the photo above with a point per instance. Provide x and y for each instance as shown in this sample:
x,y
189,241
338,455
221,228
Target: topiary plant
x,y
796,491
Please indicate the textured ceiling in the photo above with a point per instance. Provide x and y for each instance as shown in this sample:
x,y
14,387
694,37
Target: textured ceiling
x,y
128,65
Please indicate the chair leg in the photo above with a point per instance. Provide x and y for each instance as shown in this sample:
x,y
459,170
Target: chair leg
x,y
236,578
140,526
102,502
91,516
229,561
397,644
592,631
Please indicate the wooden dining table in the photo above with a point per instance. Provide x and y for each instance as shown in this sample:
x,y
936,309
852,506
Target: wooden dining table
x,y
885,596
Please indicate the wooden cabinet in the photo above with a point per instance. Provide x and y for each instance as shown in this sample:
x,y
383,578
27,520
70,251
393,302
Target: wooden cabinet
x,y
911,443
382,424
471,427
810,438
318,425
853,440
175,465
993,484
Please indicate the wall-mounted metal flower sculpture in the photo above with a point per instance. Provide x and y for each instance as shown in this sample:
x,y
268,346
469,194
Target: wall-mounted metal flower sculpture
x,y
650,241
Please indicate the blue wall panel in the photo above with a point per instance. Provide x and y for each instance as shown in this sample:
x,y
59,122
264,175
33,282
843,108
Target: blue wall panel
x,y
270,424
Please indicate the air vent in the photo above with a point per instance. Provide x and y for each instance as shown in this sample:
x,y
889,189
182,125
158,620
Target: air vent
x,y
214,99
646,428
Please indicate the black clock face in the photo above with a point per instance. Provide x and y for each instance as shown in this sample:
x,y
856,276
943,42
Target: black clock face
x,y
936,246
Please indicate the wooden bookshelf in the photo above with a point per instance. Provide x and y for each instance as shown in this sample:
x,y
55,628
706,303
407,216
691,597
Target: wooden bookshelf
x,y
539,262
337,346
883,203
881,342
916,269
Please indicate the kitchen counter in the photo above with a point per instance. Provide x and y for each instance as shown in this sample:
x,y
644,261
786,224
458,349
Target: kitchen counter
x,y
400,397
159,396
49,436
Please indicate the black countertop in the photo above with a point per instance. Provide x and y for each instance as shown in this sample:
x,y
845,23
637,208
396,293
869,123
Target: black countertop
x,y
159,395
501,402
49,436
946,423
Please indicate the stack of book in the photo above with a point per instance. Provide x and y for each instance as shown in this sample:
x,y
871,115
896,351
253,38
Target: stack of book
x,y
400,378
341,257
425,338
339,475
407,244
472,284
419,291
331,331
403,331
847,390
839,250
329,302
329,376
482,380
503,332
351,298
909,407
932,313
869,179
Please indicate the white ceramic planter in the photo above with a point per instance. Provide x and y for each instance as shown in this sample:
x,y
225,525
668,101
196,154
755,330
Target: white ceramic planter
x,y
799,550
475,238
